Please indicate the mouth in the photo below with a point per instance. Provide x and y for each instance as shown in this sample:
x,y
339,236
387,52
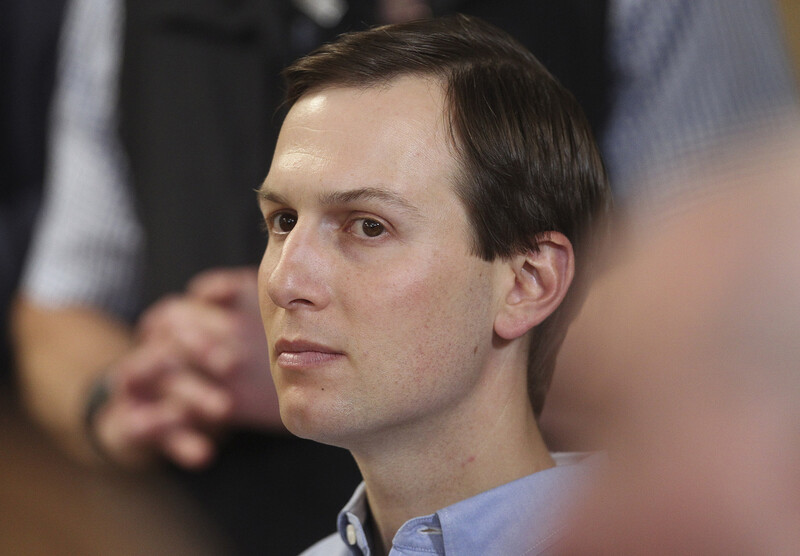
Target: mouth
x,y
301,354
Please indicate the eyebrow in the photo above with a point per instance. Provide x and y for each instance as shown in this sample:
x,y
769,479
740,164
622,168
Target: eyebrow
x,y
348,197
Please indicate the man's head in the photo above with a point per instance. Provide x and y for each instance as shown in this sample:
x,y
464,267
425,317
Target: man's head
x,y
460,131
528,162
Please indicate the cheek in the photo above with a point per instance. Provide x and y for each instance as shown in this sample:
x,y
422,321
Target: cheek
x,y
413,296
427,314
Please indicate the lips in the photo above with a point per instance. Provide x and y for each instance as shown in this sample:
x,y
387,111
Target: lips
x,y
299,354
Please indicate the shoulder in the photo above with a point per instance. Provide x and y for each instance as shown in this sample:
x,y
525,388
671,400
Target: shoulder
x,y
331,545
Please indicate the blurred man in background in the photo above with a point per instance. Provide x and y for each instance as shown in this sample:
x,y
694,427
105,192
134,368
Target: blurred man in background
x,y
689,359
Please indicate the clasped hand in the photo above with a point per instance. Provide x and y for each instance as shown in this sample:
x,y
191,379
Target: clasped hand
x,y
199,366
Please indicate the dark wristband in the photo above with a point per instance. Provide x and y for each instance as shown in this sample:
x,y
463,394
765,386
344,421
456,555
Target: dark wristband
x,y
99,395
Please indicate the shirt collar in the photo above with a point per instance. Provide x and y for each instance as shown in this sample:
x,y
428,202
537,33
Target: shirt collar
x,y
352,520
520,517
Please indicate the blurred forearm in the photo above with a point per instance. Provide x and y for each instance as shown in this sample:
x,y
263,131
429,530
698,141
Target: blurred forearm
x,y
59,353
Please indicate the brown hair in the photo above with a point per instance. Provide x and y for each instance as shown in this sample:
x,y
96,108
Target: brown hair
x,y
529,164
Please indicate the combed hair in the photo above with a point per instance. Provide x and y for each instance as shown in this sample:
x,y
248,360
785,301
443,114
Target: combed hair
x,y
528,162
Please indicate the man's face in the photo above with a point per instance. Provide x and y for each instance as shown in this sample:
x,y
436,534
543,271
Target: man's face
x,y
378,316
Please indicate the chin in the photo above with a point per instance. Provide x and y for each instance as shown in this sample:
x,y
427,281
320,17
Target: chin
x,y
315,418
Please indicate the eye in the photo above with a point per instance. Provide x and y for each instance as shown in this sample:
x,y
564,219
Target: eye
x,y
283,222
368,227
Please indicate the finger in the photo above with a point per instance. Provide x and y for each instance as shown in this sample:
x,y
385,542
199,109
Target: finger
x,y
167,429
201,333
146,422
131,433
152,318
210,344
223,285
188,447
177,313
139,374
197,394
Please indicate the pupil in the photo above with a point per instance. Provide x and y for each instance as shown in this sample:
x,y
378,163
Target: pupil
x,y
286,222
372,228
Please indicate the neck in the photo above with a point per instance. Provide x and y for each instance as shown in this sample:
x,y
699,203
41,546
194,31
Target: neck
x,y
428,467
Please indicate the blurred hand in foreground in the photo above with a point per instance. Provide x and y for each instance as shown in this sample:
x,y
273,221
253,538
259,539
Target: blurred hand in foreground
x,y
200,366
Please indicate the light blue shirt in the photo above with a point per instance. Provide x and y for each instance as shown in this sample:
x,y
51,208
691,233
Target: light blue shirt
x,y
525,516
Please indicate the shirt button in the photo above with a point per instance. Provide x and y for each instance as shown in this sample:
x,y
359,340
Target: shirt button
x,y
350,531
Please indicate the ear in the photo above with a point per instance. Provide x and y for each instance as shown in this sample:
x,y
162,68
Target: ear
x,y
540,282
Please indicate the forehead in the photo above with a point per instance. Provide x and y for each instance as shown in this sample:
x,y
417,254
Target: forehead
x,y
393,135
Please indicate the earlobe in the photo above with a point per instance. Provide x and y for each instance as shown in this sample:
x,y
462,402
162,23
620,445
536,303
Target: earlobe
x,y
540,281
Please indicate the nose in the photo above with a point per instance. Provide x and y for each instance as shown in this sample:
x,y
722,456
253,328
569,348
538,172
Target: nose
x,y
295,270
